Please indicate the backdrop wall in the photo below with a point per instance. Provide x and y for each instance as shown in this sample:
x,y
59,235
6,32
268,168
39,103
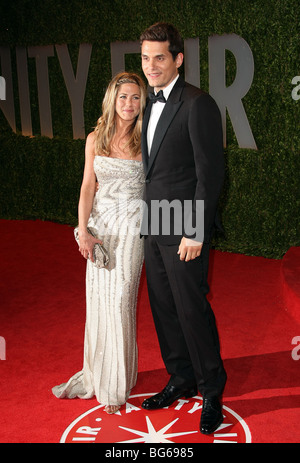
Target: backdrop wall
x,y
40,175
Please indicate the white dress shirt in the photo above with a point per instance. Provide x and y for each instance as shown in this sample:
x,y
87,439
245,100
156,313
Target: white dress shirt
x,y
156,110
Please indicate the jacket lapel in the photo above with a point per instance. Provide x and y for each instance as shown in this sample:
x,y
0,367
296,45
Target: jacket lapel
x,y
145,153
168,114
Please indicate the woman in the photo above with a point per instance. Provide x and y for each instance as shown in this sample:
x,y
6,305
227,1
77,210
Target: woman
x,y
113,159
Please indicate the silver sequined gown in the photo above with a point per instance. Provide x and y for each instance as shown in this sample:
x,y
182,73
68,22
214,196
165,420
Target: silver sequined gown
x,y
110,352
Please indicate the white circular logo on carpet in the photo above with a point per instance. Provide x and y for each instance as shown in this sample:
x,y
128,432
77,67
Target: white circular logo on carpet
x,y
178,423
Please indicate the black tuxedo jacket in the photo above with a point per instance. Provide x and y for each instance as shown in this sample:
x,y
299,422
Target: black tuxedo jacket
x,y
186,163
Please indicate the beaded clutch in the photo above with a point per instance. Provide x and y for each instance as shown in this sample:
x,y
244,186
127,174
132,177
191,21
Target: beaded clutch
x,y
100,254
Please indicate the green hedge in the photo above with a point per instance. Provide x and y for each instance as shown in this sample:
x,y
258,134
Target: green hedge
x,y
41,177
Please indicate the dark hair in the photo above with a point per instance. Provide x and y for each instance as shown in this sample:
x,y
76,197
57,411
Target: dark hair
x,y
164,32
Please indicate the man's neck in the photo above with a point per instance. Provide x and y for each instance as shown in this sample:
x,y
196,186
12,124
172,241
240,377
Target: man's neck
x,y
167,89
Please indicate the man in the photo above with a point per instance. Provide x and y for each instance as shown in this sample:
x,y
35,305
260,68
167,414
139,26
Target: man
x,y
182,151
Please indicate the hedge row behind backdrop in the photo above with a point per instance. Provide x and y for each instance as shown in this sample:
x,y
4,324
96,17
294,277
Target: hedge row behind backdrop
x,y
40,177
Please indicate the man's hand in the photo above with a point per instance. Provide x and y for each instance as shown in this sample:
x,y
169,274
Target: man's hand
x,y
189,249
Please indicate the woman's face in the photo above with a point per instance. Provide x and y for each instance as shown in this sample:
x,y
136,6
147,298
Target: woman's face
x,y
128,102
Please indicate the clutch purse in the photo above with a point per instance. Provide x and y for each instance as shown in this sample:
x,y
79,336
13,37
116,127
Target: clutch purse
x,y
100,254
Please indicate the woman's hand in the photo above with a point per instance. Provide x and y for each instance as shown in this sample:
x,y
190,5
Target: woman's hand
x,y
86,244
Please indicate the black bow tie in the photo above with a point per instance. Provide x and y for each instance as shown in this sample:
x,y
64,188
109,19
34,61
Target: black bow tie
x,y
158,97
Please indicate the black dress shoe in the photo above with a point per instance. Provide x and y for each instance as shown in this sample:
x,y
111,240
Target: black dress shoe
x,y
211,416
167,396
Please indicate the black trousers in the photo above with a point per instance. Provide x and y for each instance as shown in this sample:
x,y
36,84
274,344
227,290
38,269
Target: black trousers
x,y
183,318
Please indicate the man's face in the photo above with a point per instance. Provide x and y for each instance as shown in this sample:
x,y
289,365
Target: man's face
x,y
158,64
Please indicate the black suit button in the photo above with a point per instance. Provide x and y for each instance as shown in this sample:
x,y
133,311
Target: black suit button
x,y
147,180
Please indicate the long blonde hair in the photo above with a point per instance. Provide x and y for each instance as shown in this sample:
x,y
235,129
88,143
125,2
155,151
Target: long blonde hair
x,y
106,124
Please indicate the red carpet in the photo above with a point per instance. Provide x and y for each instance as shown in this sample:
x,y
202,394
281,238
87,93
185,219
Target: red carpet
x,y
42,317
